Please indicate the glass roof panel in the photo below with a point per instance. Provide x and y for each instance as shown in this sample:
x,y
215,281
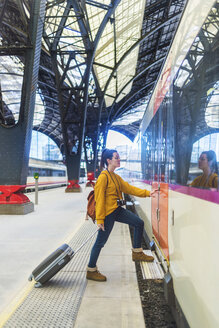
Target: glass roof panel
x,y
134,114
11,77
128,23
71,36
95,16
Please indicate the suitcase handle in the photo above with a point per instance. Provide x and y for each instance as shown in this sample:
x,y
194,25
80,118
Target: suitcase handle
x,y
78,249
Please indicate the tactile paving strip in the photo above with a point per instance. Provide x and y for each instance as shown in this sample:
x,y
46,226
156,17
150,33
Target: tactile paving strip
x,y
56,304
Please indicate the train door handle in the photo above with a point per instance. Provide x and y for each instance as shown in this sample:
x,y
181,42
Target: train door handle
x,y
158,214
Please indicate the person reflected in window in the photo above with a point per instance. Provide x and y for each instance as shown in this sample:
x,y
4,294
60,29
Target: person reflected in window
x,y
208,164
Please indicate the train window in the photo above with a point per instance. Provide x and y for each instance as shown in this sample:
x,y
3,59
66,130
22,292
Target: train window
x,y
46,168
157,147
181,143
203,171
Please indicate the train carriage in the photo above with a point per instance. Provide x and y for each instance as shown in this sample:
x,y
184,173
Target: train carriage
x,y
183,221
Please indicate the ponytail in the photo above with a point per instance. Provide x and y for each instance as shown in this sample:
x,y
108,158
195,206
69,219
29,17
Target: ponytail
x,y
106,154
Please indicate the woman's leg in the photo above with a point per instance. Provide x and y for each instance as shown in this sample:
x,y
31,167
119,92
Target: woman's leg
x,y
133,220
128,217
101,240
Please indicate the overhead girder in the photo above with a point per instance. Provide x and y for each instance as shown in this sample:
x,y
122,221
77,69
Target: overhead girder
x,y
138,75
80,95
15,40
149,9
130,97
130,130
13,25
137,43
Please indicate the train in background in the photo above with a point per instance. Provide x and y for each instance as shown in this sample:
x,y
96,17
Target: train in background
x,y
51,174
181,222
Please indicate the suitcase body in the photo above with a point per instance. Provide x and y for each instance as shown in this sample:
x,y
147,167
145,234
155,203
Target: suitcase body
x,y
51,265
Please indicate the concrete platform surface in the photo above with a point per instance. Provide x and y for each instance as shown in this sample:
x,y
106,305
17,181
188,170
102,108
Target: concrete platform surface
x,y
26,240
115,303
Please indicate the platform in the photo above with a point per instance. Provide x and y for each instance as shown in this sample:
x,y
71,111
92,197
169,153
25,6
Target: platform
x,y
68,300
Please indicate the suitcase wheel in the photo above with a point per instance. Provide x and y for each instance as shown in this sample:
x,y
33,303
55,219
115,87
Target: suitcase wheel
x,y
38,285
30,278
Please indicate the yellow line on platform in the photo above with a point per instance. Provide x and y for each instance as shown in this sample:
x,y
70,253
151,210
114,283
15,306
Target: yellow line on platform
x,y
21,296
13,306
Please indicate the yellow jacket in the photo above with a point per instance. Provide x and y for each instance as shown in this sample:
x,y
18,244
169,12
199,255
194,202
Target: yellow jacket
x,y
206,182
108,189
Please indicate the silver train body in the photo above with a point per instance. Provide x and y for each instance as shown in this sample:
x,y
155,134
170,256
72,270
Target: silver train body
x,y
182,221
51,174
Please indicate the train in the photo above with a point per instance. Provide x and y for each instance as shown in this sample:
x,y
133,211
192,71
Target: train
x,y
182,222
51,174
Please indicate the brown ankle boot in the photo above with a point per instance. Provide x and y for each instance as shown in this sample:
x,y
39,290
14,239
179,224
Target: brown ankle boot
x,y
141,256
95,275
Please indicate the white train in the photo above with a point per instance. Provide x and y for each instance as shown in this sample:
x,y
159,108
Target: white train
x,y
183,221
51,174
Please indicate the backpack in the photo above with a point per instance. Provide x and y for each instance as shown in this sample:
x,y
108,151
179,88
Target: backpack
x,y
91,205
91,212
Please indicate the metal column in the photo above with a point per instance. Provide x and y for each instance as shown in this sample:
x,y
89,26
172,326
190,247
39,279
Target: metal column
x,y
15,141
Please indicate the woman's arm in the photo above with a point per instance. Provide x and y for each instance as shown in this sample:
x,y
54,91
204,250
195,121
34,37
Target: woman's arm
x,y
131,190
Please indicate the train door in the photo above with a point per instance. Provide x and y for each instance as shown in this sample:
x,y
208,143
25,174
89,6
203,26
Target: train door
x,y
159,206
159,216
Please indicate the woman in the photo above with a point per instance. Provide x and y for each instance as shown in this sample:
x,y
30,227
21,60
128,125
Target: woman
x,y
108,197
208,164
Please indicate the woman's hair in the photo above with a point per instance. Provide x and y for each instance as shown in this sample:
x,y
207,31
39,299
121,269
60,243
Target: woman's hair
x,y
106,154
211,156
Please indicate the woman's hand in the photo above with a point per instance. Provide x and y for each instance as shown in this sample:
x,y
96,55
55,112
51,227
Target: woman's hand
x,y
101,226
152,193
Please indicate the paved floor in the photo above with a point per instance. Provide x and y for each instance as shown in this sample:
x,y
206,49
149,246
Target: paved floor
x,y
26,240
116,302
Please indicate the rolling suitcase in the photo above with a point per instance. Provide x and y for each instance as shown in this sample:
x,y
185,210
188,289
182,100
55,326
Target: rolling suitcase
x,y
54,263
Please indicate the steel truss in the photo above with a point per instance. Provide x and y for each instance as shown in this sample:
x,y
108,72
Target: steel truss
x,y
75,111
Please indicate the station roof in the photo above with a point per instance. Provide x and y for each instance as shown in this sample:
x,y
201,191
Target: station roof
x,y
133,42
196,82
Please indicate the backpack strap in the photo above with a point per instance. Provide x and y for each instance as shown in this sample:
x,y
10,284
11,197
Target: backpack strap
x,y
106,178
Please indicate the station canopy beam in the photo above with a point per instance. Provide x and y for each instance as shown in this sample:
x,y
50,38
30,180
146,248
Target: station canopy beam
x,y
99,64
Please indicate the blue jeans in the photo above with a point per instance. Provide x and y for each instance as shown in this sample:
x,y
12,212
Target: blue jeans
x,y
119,215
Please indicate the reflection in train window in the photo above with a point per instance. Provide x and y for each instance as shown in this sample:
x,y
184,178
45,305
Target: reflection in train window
x,y
182,118
200,149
